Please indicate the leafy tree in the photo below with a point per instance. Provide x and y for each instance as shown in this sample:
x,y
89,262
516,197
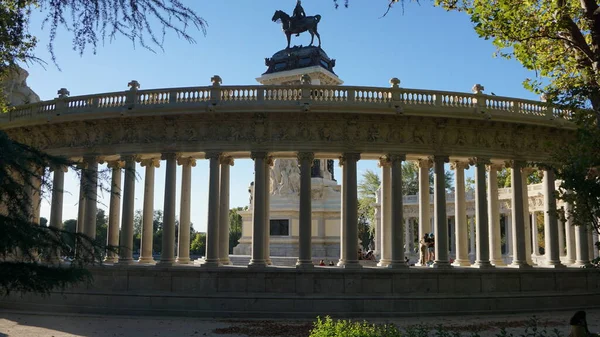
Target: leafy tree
x,y
198,245
22,242
504,176
235,227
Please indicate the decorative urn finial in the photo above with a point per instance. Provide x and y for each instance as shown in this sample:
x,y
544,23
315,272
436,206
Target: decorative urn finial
x,y
133,85
395,82
63,93
544,98
478,89
216,80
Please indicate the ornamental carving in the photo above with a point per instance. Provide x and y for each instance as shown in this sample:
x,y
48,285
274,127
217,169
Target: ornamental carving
x,y
286,132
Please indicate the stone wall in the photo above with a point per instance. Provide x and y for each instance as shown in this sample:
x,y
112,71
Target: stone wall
x,y
287,292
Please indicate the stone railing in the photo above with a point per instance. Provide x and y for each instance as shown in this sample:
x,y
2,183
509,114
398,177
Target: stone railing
x,y
372,99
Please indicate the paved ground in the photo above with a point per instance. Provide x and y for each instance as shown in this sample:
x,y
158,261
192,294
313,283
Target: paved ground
x,y
21,324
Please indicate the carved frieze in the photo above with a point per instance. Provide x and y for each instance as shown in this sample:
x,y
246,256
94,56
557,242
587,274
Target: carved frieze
x,y
282,131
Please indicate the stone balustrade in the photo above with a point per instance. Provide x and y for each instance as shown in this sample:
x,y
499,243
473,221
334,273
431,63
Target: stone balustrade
x,y
372,100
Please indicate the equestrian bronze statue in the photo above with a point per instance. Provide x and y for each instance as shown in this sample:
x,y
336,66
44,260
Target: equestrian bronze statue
x,y
299,23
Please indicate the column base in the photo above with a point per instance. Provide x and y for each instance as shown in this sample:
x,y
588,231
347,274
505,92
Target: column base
x,y
146,260
482,265
225,262
257,264
569,262
441,265
183,260
383,263
349,264
112,260
582,264
211,263
397,265
553,264
461,263
498,262
269,262
304,265
520,265
125,262
165,263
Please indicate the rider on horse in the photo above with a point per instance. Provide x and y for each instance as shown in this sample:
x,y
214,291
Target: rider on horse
x,y
298,16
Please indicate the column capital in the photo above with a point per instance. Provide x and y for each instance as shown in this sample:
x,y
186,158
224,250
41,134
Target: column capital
x,y
115,164
479,161
354,156
527,170
91,158
269,161
62,168
396,157
494,167
130,157
459,165
150,162
442,158
186,161
384,161
226,160
81,165
310,156
259,155
515,164
212,155
425,162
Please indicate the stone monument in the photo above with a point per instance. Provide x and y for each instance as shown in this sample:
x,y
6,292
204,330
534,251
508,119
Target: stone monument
x,y
292,66
16,90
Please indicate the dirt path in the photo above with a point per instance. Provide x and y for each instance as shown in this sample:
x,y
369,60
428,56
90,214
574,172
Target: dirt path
x,y
22,324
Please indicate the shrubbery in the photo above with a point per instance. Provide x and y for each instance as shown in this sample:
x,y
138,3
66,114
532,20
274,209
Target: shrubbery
x,y
345,328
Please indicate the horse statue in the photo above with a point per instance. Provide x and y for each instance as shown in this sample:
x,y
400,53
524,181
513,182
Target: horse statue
x,y
302,25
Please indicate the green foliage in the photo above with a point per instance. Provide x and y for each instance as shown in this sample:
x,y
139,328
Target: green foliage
x,y
504,177
328,327
198,245
235,227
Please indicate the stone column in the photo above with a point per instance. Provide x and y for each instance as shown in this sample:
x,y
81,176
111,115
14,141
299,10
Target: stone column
x,y
269,163
349,258
569,234
386,211
36,193
494,214
148,212
525,172
212,227
582,257
407,237
550,221
424,199
126,246
397,212
183,249
258,212
56,208
518,227
114,211
561,235
441,219
534,235
91,196
452,239
508,233
81,205
482,259
167,256
226,163
460,215
305,159
471,223
591,245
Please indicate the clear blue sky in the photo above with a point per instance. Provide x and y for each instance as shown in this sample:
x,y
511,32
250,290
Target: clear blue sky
x,y
425,47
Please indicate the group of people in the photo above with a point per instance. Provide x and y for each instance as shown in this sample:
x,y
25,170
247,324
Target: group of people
x,y
427,249
322,263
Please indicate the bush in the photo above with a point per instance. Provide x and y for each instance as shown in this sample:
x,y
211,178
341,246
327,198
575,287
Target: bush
x,y
331,328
